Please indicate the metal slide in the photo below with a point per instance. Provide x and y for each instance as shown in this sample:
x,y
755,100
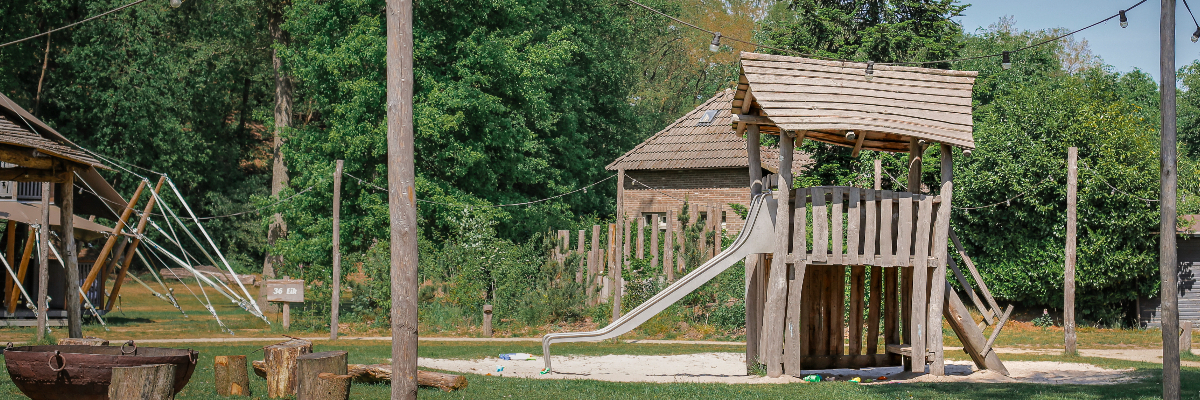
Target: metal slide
x,y
756,237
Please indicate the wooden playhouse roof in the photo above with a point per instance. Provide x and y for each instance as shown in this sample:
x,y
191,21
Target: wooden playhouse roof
x,y
826,99
689,143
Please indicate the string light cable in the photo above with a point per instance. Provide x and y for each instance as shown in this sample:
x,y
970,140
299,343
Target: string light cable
x,y
1009,200
173,3
1110,186
1196,35
582,189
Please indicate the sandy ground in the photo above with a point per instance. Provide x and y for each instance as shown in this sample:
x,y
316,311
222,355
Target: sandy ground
x,y
730,368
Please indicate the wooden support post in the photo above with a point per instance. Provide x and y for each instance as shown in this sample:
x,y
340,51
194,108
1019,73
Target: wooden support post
x,y
654,252
987,294
10,254
1069,270
336,295
581,250
971,337
282,359
1185,337
145,382
857,281
594,257
66,204
878,174
754,264
874,305
777,281
612,265
668,260
641,238
937,282
402,207
309,366
487,320
25,256
754,160
137,240
113,237
43,263
231,376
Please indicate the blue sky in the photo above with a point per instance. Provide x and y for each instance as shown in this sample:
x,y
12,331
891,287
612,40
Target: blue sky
x,y
1124,49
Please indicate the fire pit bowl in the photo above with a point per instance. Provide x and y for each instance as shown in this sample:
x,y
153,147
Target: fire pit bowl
x,y
83,372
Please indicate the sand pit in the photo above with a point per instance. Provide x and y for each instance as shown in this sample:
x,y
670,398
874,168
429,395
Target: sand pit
x,y
730,368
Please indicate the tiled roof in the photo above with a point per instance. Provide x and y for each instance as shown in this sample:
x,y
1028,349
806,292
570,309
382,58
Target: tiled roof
x,y
690,144
19,128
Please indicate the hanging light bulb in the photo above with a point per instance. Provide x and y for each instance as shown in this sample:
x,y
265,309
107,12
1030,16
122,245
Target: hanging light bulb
x,y
715,46
1124,21
1006,61
1196,36
176,3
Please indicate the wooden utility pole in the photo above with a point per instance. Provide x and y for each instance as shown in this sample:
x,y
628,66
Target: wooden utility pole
x,y
402,198
1167,257
43,263
66,204
1069,270
336,298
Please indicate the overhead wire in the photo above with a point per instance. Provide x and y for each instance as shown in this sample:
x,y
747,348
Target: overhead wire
x,y
68,26
585,188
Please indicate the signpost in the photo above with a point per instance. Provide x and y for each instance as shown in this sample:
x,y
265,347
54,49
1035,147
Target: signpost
x,y
285,291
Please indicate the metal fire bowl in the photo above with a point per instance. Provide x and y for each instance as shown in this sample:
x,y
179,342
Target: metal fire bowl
x,y
83,372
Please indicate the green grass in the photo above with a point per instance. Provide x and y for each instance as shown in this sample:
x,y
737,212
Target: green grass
x,y
489,387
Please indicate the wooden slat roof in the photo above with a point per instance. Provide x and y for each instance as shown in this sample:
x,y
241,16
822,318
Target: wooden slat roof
x,y
689,144
20,128
825,99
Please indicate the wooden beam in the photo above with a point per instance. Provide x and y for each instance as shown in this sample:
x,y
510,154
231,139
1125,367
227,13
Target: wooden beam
x,y
66,204
940,253
43,262
25,157
33,175
112,239
137,239
971,337
12,297
751,120
777,281
747,102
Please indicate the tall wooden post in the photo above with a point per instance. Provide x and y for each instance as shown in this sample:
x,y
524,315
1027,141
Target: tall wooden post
x,y
614,267
641,238
753,261
66,204
402,198
937,283
916,322
10,253
777,280
336,298
1069,270
1167,256
579,249
594,257
668,260
878,174
43,263
654,221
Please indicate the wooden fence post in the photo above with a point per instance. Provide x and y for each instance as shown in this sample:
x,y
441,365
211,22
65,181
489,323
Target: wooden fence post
x,y
335,299
1185,337
231,376
641,238
669,247
487,320
145,382
1069,270
654,221
579,249
594,257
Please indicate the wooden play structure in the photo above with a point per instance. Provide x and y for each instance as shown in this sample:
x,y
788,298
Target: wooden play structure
x,y
845,277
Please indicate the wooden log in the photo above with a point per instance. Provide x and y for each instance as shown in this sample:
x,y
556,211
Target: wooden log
x,y
939,253
87,341
66,203
230,375
920,296
43,238
308,368
335,298
329,386
1069,268
382,373
145,382
281,361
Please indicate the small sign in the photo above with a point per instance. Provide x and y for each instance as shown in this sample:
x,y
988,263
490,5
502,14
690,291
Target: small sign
x,y
285,290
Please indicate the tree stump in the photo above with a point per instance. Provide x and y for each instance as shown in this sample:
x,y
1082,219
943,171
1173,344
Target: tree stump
x,y
231,376
328,386
87,341
314,364
281,366
146,382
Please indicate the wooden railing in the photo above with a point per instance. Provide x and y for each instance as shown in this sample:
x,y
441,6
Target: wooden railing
x,y
838,225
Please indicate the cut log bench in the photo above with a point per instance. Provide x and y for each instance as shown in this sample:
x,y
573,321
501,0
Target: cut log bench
x,y
281,366
230,376
310,368
146,382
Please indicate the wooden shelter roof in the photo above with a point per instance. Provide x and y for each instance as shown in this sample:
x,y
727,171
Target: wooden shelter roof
x,y
689,143
19,128
826,99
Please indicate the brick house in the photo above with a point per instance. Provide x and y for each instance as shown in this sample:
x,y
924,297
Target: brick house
x,y
698,158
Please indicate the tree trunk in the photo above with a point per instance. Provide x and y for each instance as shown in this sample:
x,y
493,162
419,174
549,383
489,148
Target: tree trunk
x,y
311,365
281,360
146,382
327,386
231,376
283,120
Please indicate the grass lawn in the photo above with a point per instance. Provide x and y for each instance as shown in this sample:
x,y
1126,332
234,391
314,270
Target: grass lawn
x,y
488,387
